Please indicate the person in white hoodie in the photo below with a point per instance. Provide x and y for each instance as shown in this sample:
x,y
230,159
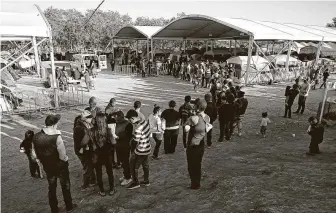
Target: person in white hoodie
x,y
157,127
304,90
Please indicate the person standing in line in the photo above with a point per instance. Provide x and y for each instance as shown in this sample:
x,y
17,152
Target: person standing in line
x,y
185,113
171,119
207,76
50,150
111,107
226,116
140,149
93,108
157,126
325,78
26,147
82,135
303,94
290,97
243,103
124,131
316,132
197,128
211,111
137,106
103,142
263,125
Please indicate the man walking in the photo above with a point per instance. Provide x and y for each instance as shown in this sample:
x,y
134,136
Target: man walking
x,y
303,94
140,149
325,78
50,150
185,113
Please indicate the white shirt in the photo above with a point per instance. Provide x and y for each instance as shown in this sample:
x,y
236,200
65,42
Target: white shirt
x,y
265,121
156,124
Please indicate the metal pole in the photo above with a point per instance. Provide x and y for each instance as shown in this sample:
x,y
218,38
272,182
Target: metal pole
x,y
152,48
136,49
147,49
249,55
273,47
53,72
235,48
323,103
37,58
289,49
230,45
318,52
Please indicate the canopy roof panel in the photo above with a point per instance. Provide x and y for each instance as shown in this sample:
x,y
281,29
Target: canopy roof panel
x,y
298,35
325,29
259,30
201,27
22,26
136,32
326,35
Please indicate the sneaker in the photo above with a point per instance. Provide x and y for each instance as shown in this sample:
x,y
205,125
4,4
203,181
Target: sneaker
x,y
112,192
125,182
74,206
145,183
103,194
122,179
133,186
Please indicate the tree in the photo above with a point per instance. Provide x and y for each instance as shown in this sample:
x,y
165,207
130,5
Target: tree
x,y
333,23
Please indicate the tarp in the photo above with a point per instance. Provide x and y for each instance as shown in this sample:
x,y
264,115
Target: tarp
x,y
136,32
281,60
22,26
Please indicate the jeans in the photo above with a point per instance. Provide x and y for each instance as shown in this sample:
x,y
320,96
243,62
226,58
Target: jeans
x,y
33,167
288,109
194,160
314,147
226,128
207,82
88,168
104,159
158,140
124,152
63,175
136,162
170,140
239,123
302,104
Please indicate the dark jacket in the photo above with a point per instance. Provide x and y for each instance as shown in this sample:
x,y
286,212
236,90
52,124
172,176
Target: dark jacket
x,y
28,146
227,112
292,95
316,133
124,130
242,102
82,137
172,117
211,111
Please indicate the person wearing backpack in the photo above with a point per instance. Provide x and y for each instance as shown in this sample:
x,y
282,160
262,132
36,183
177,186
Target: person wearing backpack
x,y
102,143
316,132
185,112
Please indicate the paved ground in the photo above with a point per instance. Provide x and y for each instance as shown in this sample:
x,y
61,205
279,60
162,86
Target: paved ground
x,y
247,174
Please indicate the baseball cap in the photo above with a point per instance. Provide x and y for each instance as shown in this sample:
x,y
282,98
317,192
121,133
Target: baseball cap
x,y
86,114
52,119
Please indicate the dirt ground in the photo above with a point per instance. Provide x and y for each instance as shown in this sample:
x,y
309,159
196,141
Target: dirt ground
x,y
249,174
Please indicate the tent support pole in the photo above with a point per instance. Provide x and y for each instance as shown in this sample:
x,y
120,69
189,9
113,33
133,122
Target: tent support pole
x,y
230,45
323,103
289,49
147,49
37,58
263,55
249,55
53,72
212,45
235,48
152,50
318,53
267,47
136,48
273,47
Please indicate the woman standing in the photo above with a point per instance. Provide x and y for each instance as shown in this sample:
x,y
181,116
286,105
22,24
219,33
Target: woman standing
x,y
197,126
103,142
157,126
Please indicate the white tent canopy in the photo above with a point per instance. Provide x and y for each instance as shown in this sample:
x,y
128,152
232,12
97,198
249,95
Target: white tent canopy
x,y
281,59
136,32
22,26
327,36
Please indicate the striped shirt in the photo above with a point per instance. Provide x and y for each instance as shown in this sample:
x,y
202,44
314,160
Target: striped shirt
x,y
141,137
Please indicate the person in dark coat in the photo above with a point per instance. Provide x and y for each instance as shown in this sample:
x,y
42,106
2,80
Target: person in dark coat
x,y
242,102
82,135
290,97
211,111
226,117
316,132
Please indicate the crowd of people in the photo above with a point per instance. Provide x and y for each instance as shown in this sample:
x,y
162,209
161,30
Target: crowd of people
x,y
114,139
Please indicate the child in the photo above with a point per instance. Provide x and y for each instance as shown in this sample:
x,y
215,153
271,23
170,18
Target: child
x,y
263,125
27,147
316,131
